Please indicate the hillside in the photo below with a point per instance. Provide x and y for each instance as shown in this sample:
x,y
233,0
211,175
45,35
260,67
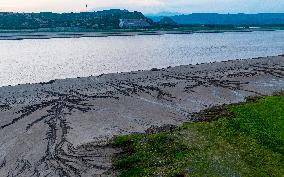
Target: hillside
x,y
106,19
230,19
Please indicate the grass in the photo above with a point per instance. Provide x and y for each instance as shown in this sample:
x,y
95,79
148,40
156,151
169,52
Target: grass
x,y
246,141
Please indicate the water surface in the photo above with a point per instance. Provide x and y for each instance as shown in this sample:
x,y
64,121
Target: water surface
x,y
31,61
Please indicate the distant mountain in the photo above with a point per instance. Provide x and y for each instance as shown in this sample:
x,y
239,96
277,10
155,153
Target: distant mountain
x,y
230,19
167,22
156,17
106,19
116,18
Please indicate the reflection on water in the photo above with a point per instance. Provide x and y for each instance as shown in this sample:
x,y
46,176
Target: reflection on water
x,y
30,61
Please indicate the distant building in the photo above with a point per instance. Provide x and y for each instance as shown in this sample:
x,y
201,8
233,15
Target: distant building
x,y
134,23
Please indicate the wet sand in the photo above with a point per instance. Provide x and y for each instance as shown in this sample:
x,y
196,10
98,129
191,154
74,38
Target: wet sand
x,y
62,127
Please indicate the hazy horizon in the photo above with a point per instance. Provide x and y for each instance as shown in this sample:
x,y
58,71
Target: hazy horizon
x,y
146,6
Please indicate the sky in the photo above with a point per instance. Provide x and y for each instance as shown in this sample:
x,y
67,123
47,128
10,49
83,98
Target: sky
x,y
145,6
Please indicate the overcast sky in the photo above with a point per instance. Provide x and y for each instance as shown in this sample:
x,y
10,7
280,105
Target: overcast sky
x,y
146,6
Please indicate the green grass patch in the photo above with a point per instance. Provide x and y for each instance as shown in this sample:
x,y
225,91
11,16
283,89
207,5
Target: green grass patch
x,y
247,141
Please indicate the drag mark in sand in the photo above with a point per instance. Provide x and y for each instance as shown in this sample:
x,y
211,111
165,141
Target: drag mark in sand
x,y
60,156
128,88
197,81
274,71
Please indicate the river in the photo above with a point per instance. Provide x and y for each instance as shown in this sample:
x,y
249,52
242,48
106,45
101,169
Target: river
x,y
40,60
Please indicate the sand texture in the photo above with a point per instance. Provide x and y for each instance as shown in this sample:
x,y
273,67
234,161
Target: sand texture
x,y
61,128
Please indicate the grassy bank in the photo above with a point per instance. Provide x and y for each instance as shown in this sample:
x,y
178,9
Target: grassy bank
x,y
240,140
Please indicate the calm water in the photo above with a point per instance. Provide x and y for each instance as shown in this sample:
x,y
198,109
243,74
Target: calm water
x,y
31,61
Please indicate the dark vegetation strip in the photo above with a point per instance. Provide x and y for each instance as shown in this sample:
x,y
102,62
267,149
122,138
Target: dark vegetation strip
x,y
246,139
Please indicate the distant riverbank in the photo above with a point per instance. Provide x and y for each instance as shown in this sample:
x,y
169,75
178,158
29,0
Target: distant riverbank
x,y
31,34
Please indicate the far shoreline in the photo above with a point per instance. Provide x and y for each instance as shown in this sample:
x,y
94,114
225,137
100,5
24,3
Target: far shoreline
x,y
31,34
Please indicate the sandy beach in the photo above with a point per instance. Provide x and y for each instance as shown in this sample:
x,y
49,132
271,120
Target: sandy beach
x,y
62,127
